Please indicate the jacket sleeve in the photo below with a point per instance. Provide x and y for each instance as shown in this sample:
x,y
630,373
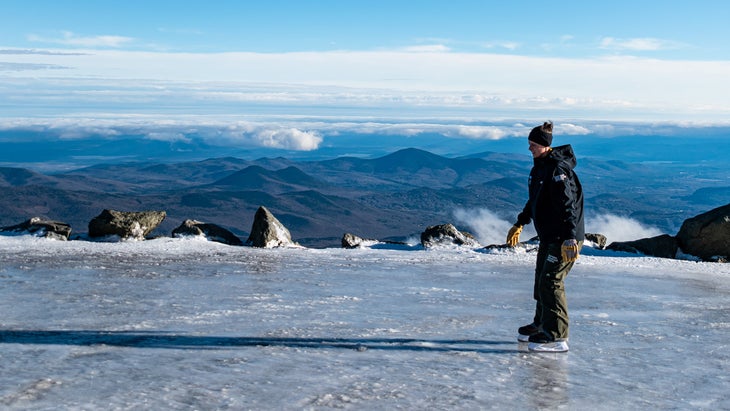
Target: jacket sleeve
x,y
565,198
524,217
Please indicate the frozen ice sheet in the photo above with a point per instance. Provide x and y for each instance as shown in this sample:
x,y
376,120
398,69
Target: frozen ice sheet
x,y
189,324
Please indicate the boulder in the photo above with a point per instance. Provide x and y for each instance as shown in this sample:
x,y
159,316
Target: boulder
x,y
212,232
446,234
41,228
707,235
599,240
350,240
268,232
664,246
125,224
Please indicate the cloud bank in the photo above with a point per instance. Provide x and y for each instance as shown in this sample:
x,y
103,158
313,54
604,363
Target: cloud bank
x,y
307,133
282,138
495,85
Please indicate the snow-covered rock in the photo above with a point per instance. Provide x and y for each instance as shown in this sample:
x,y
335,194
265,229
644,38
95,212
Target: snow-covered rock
x,y
268,232
707,235
446,234
350,240
41,228
210,231
664,246
125,224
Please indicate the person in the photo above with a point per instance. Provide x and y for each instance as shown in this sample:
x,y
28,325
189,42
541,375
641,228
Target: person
x,y
555,205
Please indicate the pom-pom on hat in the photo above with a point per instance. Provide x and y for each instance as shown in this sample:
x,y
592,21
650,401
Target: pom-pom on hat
x,y
542,135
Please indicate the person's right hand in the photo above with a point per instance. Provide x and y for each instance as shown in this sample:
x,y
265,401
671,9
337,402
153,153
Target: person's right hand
x,y
570,250
513,236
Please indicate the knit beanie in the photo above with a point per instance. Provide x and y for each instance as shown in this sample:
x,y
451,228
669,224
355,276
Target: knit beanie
x,y
542,135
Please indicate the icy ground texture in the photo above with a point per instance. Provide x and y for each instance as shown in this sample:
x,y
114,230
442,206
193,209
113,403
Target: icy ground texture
x,y
189,324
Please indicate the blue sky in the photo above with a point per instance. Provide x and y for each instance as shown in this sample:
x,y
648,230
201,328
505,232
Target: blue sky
x,y
658,29
469,66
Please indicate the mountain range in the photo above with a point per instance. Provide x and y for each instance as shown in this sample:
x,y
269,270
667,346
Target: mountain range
x,y
390,197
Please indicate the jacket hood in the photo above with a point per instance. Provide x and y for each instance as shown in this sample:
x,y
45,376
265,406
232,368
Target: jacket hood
x,y
564,154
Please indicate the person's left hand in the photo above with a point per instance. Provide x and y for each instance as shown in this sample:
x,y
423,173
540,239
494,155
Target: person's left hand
x,y
569,250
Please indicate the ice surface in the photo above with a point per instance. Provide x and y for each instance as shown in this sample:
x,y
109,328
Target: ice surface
x,y
191,324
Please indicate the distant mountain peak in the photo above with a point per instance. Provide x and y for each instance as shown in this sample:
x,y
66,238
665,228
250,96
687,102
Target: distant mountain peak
x,y
13,176
410,159
255,177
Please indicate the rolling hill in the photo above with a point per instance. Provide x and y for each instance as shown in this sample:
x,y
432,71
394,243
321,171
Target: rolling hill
x,y
393,196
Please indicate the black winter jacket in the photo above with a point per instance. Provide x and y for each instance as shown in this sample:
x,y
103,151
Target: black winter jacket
x,y
556,198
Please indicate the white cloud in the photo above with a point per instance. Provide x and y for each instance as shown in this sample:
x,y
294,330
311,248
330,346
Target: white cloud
x,y
617,228
488,227
638,44
4,66
483,132
224,132
71,39
169,136
290,139
227,133
509,45
427,48
571,129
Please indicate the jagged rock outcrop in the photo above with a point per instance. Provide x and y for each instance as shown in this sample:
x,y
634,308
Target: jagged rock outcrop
x,y
599,240
268,232
125,224
41,228
664,246
446,234
212,232
350,240
707,235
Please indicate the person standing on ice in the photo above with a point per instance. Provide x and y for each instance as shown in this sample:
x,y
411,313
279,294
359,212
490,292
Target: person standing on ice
x,y
555,205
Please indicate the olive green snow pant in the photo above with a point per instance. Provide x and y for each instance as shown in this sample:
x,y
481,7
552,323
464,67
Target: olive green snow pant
x,y
551,312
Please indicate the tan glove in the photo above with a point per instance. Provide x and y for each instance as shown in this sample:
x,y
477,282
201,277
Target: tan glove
x,y
569,250
513,236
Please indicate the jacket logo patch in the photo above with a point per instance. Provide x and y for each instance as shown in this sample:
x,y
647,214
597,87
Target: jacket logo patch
x,y
560,177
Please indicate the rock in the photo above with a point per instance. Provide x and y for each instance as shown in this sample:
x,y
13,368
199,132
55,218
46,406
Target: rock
x,y
212,232
125,224
350,240
268,232
664,246
528,246
446,234
42,228
598,239
707,235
